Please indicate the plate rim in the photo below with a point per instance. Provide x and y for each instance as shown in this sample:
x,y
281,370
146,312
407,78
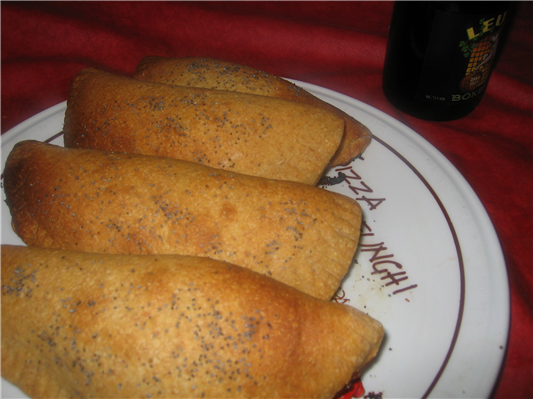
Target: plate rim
x,y
471,200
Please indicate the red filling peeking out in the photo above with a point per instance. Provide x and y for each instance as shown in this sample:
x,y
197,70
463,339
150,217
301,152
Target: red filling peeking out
x,y
354,389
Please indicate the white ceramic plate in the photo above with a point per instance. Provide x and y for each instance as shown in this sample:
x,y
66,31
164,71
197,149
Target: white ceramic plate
x,y
429,266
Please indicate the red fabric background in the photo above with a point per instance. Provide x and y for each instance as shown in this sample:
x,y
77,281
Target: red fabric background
x,y
338,45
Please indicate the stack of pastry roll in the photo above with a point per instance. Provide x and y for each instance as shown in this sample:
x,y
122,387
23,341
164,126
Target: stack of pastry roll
x,y
213,112
179,248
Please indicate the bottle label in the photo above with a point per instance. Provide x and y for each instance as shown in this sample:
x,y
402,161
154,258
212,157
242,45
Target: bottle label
x,y
459,57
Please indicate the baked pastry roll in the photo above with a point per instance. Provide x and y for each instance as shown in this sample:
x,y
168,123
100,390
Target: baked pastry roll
x,y
122,326
216,74
244,133
93,201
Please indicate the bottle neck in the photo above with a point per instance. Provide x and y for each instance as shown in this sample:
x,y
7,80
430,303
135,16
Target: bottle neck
x,y
470,7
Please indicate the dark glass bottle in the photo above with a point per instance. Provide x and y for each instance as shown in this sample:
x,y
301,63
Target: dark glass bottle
x,y
440,55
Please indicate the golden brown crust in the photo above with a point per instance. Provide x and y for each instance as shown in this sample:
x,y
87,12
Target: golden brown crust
x,y
116,326
93,201
256,135
216,74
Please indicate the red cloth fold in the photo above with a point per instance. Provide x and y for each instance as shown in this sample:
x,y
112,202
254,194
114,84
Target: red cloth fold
x,y
338,45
